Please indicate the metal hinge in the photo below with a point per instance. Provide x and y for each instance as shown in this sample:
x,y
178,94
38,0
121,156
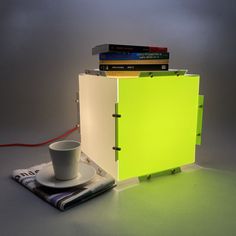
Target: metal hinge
x,y
199,119
116,148
116,115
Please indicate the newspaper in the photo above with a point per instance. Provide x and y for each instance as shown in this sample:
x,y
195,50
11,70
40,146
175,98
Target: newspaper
x,y
64,199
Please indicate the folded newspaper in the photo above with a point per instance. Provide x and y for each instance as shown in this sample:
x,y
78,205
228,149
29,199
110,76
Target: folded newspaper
x,y
65,198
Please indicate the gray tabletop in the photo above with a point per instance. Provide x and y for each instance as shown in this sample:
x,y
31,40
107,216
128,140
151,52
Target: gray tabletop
x,y
197,201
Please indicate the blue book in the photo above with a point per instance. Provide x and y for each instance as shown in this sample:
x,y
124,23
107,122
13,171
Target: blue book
x,y
134,56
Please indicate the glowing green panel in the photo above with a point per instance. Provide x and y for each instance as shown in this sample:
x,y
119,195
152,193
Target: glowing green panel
x,y
157,127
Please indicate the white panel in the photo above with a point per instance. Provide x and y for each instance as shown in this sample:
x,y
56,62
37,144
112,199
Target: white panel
x,y
97,97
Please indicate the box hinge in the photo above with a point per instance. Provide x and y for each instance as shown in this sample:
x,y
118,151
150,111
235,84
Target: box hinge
x,y
199,119
116,147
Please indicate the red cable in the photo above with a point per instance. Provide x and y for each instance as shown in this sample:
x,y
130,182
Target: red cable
x,y
42,143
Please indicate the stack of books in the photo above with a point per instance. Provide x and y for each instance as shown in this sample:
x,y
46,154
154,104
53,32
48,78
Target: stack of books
x,y
115,59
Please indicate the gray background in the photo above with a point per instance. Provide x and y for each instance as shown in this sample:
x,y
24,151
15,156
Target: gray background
x,y
44,45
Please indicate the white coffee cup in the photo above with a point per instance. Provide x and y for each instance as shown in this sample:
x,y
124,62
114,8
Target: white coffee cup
x,y
65,156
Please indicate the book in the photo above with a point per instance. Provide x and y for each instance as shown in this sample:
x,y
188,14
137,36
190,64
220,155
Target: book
x,y
64,199
116,74
126,48
134,56
133,67
135,74
134,62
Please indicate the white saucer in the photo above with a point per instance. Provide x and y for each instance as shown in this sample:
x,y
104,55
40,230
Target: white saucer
x,y
46,177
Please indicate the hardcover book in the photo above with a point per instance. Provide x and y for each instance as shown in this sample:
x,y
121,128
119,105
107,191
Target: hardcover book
x,y
135,62
134,56
133,67
135,74
126,48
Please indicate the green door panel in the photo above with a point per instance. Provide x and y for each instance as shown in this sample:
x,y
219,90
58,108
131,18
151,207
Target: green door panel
x,y
158,123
